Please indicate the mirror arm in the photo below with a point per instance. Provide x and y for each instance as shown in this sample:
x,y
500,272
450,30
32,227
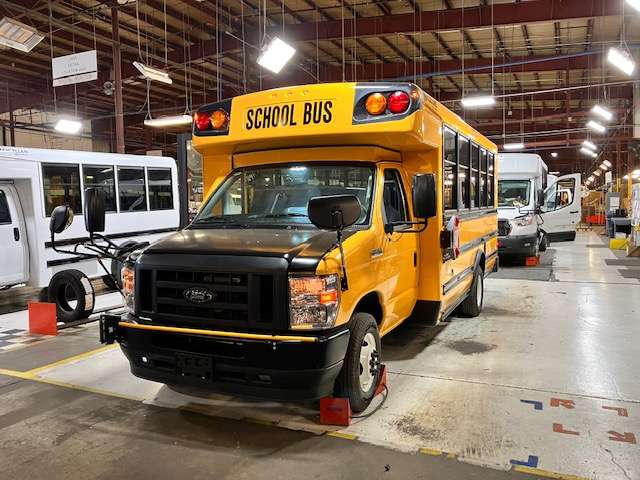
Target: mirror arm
x,y
344,283
67,252
389,228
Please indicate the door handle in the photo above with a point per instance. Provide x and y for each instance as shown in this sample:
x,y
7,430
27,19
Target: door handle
x,y
575,211
16,234
376,252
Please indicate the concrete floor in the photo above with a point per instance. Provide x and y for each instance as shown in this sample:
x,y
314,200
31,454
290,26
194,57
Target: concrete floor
x,y
546,377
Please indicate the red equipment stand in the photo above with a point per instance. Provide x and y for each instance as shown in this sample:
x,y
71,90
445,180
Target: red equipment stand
x,y
532,261
42,318
337,411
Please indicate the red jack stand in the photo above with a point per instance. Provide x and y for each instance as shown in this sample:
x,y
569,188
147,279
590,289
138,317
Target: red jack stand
x,y
337,411
532,261
42,318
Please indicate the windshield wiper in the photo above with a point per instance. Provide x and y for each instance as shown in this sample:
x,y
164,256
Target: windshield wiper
x,y
284,215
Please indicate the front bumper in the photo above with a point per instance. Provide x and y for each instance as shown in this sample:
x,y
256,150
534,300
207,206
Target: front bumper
x,y
518,245
274,369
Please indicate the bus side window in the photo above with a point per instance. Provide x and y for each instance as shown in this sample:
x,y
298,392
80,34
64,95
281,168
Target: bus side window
x,y
483,178
475,168
102,178
395,207
160,189
61,185
463,173
490,181
450,170
133,192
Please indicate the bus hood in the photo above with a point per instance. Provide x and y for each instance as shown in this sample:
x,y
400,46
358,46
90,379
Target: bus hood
x,y
303,249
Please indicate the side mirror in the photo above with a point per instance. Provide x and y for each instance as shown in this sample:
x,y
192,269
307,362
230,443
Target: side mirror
x,y
334,212
424,196
540,200
94,210
61,218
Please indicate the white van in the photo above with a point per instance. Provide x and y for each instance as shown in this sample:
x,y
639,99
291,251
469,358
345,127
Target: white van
x,y
141,201
531,211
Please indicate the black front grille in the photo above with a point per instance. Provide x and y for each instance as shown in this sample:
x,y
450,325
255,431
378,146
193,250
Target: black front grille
x,y
504,228
245,300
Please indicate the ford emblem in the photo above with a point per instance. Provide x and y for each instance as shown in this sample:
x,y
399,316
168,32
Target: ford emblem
x,y
199,295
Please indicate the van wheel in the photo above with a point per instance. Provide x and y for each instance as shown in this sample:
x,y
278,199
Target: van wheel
x,y
472,305
73,295
360,372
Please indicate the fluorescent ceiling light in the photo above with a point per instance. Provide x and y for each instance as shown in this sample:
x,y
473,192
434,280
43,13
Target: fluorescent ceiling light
x,y
626,177
153,73
636,172
591,178
603,112
474,102
169,121
622,60
590,145
596,127
597,173
276,55
513,146
607,163
588,152
634,3
554,154
17,35
603,167
68,126
554,173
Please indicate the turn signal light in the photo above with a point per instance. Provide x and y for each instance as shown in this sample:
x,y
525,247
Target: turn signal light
x,y
219,119
376,104
399,102
202,120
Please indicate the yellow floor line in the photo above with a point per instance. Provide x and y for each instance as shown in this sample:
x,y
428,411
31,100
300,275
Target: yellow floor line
x,y
346,436
431,451
75,358
15,373
546,474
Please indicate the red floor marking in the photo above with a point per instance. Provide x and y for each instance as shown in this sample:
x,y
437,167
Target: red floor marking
x,y
622,412
626,437
558,428
559,402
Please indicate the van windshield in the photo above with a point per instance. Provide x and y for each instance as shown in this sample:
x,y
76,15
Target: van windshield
x,y
278,195
513,193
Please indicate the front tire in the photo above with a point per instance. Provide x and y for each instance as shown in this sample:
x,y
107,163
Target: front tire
x,y
360,372
472,305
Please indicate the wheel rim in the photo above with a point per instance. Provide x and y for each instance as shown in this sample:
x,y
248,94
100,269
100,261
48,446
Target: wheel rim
x,y
369,362
479,291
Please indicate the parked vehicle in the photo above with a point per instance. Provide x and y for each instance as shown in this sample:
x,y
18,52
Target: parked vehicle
x,y
141,202
534,208
336,211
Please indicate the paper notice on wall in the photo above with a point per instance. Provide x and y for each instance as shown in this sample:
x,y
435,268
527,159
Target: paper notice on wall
x,y
75,68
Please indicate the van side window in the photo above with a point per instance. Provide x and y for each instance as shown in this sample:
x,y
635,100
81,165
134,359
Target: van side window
x,y
160,189
491,202
395,207
102,178
5,215
449,169
61,185
463,173
133,192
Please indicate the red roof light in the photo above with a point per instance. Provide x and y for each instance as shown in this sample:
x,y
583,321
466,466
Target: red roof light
x,y
202,120
398,102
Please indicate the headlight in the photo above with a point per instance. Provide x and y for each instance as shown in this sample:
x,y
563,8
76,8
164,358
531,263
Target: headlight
x,y
523,221
314,302
128,277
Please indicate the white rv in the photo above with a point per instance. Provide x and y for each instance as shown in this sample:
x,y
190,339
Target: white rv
x,y
532,212
141,196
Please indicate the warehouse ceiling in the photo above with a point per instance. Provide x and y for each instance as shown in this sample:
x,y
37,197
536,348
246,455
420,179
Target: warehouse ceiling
x,y
542,59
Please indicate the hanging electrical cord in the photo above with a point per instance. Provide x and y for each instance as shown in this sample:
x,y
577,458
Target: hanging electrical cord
x,y
244,49
342,37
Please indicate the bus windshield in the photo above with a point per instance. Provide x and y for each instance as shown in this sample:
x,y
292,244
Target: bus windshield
x,y
513,193
278,195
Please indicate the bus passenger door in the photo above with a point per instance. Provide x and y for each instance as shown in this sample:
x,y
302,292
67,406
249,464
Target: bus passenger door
x,y
14,254
562,209
399,252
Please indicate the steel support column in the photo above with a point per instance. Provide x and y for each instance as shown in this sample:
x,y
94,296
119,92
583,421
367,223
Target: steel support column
x,y
117,62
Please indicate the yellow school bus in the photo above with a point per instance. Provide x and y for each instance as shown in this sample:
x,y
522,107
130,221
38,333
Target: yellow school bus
x,y
334,212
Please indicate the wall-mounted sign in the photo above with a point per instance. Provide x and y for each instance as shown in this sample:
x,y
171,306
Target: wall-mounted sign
x,y
75,68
